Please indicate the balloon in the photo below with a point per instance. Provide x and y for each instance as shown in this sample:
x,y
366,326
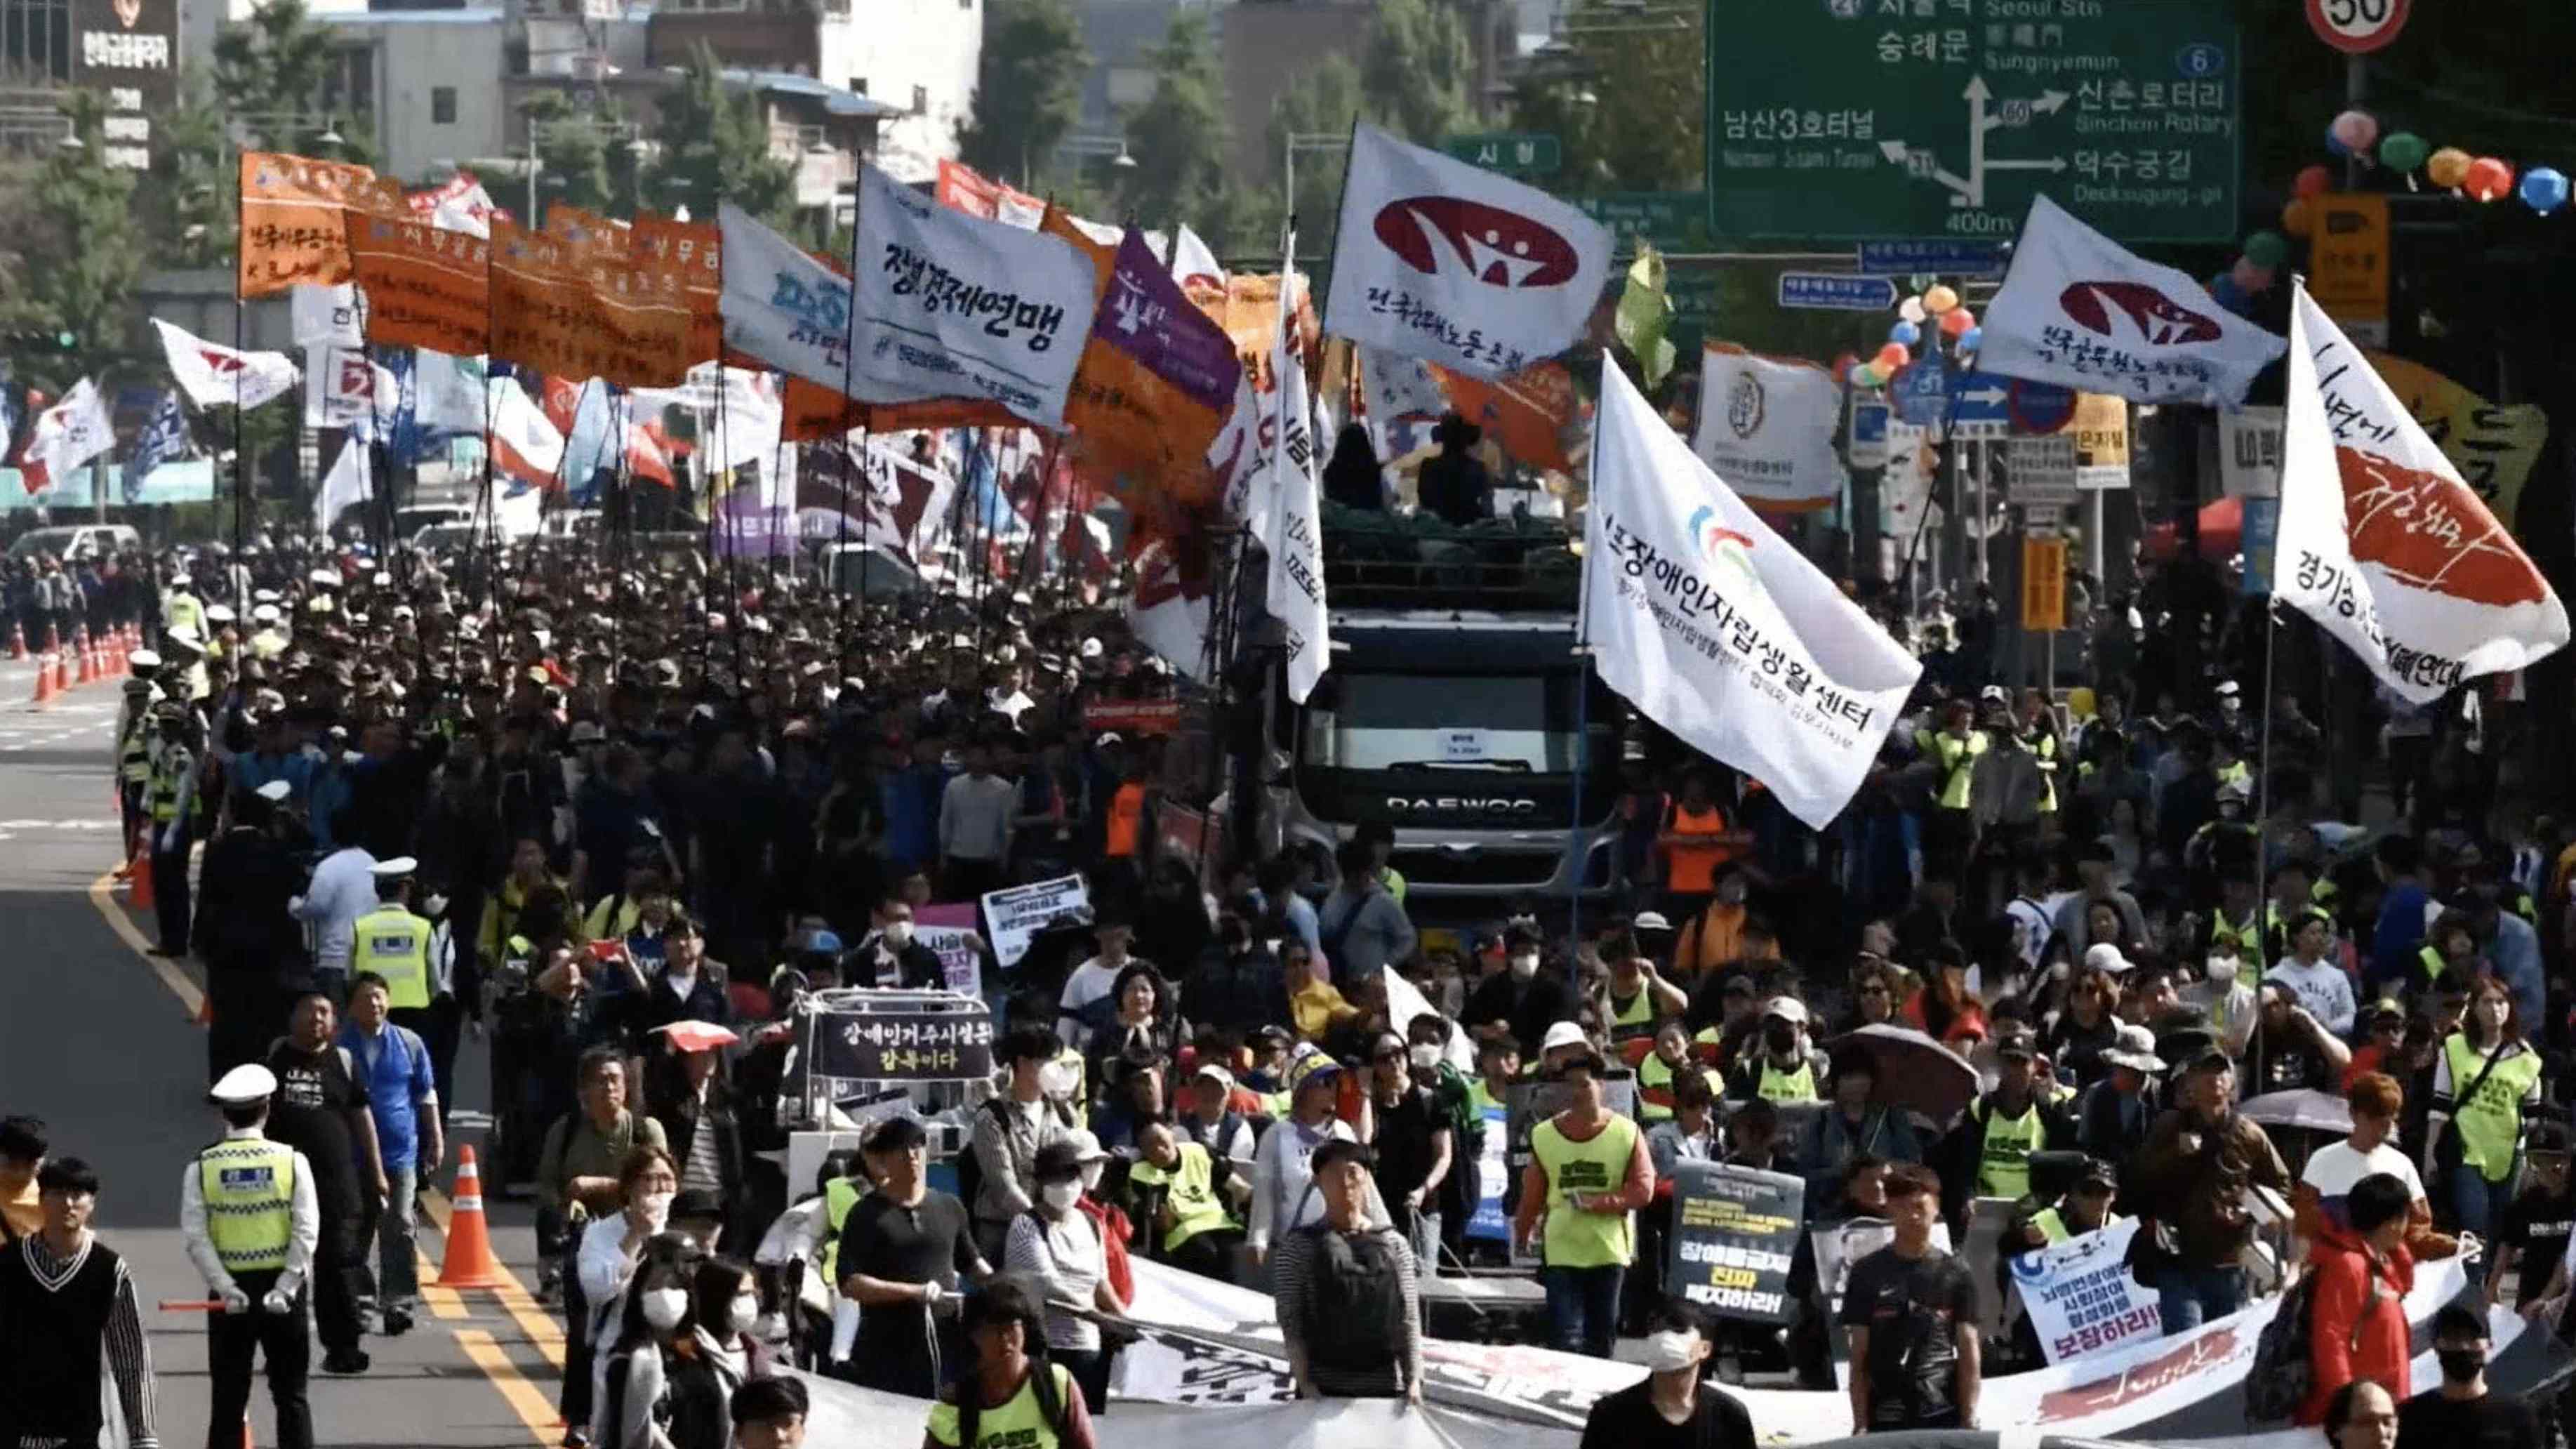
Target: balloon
x,y
2447,167
2313,182
1843,366
1940,299
1911,309
2250,275
1905,333
2488,178
2402,151
1958,322
2544,189
2334,147
1968,341
2267,249
2295,219
2356,130
1893,356
1866,375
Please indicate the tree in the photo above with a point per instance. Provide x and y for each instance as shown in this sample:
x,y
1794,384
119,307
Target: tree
x,y
715,148
277,73
1028,88
1628,103
193,208
79,223
1322,100
585,159
1420,74
1178,138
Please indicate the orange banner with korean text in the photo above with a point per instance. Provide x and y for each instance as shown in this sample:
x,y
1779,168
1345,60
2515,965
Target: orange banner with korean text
x,y
1528,413
1130,422
427,287
558,310
291,210
695,252
588,230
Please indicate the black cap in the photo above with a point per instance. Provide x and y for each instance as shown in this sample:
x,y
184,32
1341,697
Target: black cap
x,y
2017,1042
2097,1170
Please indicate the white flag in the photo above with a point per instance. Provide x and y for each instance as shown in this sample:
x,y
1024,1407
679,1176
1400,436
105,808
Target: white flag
x,y
780,305
1440,259
1719,629
447,392
344,389
524,441
1399,387
2383,544
325,316
350,482
1170,609
65,436
1768,427
949,305
1194,262
215,376
2076,308
1295,536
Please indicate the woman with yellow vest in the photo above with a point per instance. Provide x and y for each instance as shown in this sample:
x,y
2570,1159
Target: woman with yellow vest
x,y
2485,1084
1588,1172
1199,1232
1011,1396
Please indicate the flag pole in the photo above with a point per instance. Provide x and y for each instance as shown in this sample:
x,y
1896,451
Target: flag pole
x,y
1579,848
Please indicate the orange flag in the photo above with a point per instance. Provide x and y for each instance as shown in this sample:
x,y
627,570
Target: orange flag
x,y
426,287
695,252
291,209
621,320
1527,412
588,230
1126,416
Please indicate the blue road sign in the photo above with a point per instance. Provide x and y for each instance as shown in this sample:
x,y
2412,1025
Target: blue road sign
x,y
1868,434
1936,256
1922,392
2260,532
1832,291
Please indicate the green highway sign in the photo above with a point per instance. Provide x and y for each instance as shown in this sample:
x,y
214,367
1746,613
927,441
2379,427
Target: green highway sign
x,y
1514,153
1673,221
1867,120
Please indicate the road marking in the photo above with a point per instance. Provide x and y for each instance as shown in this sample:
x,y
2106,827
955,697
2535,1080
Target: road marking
x,y
443,1302
513,1386
102,894
534,1321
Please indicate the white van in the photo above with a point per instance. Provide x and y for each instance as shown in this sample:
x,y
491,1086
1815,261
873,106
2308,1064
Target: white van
x,y
76,541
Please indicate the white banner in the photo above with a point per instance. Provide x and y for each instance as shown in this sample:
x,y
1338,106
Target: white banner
x,y
2249,452
2383,544
65,436
1767,428
522,433
344,389
780,305
325,316
2080,1297
448,394
1296,539
2078,309
1720,630
949,305
1016,914
350,482
1169,612
949,932
214,376
1439,259
1398,386
1194,262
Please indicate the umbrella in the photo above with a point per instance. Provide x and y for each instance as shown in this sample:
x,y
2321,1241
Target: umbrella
x,y
1915,1073
2311,1110
698,1036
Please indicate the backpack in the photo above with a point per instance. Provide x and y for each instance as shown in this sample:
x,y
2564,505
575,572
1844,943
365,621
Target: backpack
x,y
1355,1286
2284,1371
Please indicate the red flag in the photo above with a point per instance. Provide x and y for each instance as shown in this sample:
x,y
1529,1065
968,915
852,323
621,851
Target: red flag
x,y
644,457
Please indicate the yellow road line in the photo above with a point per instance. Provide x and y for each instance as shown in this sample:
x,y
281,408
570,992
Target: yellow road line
x,y
513,1386
102,895
537,1324
443,1302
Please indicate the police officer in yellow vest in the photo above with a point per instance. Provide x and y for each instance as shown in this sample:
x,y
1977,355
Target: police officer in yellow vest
x,y
250,1218
1988,1154
1588,1174
181,612
135,738
395,944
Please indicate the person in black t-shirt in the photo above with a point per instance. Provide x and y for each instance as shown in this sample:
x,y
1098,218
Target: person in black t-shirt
x,y
1911,1311
2462,1414
902,1249
1414,1151
320,1110
2290,1049
2536,1223
1674,1407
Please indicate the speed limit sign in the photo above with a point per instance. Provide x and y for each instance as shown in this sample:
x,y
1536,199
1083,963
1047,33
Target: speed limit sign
x,y
2357,26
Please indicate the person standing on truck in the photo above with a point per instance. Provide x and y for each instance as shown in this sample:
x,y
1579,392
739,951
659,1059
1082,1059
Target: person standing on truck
x,y
1364,930
1695,841
1453,484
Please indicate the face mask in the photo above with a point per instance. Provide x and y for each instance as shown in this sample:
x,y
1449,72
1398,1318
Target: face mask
x,y
657,1208
1671,1350
1091,1172
1530,922
665,1307
898,934
1055,1079
1524,966
2460,1365
1061,1195
1424,1057
2222,969
1780,1038
742,1313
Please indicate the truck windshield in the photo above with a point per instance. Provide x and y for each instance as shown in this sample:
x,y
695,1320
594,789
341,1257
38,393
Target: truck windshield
x,y
1518,724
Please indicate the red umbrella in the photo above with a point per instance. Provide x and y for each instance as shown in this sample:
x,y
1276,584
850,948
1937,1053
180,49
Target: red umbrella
x,y
699,1036
2222,533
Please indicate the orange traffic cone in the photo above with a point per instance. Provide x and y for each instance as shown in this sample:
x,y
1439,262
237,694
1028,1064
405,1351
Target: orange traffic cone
x,y
88,661
470,1263
141,869
44,681
62,674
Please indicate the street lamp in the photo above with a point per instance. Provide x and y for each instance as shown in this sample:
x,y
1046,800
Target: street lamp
x,y
1329,143
1113,147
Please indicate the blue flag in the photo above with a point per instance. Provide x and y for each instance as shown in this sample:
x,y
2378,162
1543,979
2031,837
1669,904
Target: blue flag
x,y
163,440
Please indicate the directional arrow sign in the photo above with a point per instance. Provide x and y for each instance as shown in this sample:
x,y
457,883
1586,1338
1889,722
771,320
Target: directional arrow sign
x,y
2125,111
1992,406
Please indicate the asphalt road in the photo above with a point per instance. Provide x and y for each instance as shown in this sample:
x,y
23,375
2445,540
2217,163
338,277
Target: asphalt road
x,y
102,1043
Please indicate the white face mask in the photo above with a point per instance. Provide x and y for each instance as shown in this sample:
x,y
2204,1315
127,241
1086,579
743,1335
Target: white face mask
x,y
1425,1056
1525,966
898,934
1055,1079
665,1307
1671,1350
1091,1172
2222,969
657,1208
1061,1196
744,1312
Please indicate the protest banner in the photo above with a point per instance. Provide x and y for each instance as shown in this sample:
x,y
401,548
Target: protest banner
x,y
695,252
1157,378
566,314
1735,1231
290,219
1133,716
1489,1223
903,1046
427,287
949,932
2080,1297
1016,914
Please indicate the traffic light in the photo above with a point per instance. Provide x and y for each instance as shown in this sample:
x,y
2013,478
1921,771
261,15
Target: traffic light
x,y
65,341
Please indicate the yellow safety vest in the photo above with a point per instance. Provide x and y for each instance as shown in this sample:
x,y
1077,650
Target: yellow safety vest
x,y
2434,965
2046,750
182,614
1577,1239
134,745
1019,1424
2247,939
161,790
248,1185
2489,1123
2051,1227
1958,763
2003,1170
394,944
1196,1208
1780,1086
839,1196
2239,773
1634,1020
1655,1088
1481,1097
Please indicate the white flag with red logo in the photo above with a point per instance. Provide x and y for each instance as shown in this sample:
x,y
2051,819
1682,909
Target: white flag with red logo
x,y
1719,629
217,376
2078,308
1443,260
525,443
2381,541
66,435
